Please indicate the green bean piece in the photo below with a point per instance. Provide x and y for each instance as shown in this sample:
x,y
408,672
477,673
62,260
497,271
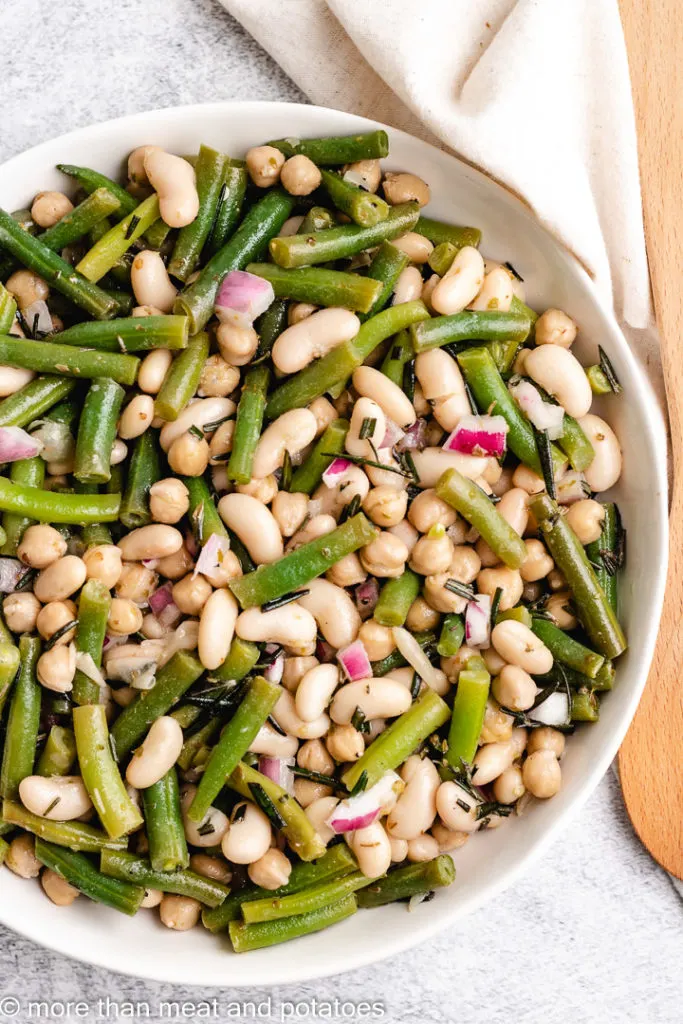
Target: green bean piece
x,y
54,270
390,749
93,610
604,680
517,306
210,171
269,327
491,395
156,235
452,636
306,563
297,829
90,181
336,862
28,473
248,423
176,676
203,513
386,267
337,366
95,533
81,873
364,208
308,475
58,756
319,286
470,326
4,850
342,149
245,937
9,664
54,507
400,352
230,200
517,614
598,381
79,221
396,597
340,242
8,310
575,444
248,244
131,334
412,880
442,257
604,556
274,908
164,824
241,659
474,505
100,774
396,659
111,247
468,713
97,431
236,738
585,706
182,379
318,218
143,471
437,232
43,356
566,649
593,608
73,834
129,868
34,399
194,744
23,721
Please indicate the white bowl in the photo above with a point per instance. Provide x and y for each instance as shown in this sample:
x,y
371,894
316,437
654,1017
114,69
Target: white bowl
x,y
489,863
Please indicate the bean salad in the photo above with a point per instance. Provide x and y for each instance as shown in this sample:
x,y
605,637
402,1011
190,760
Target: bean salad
x,y
305,573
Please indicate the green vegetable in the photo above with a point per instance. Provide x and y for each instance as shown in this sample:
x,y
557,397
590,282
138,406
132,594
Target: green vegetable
x,y
182,379
473,504
256,936
27,473
585,706
442,257
143,471
468,713
9,663
8,309
53,507
230,200
97,431
308,475
241,658
386,267
90,181
79,871
437,232
44,356
210,170
452,636
203,513
342,149
105,252
34,399
567,650
100,774
274,908
362,207
470,325
129,868
72,834
94,603
248,423
59,753
412,880
319,286
604,555
575,444
395,599
130,334
23,721
79,221
164,824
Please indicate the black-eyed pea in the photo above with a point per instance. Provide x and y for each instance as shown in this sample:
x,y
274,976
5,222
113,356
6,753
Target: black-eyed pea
x,y
372,849
218,379
344,743
288,434
519,646
150,281
264,165
21,858
174,181
55,797
157,754
508,580
153,369
542,774
169,500
180,913
57,889
21,611
403,187
348,572
41,545
291,625
560,607
509,786
56,668
385,556
555,328
248,836
421,616
318,812
546,738
514,688
422,848
254,524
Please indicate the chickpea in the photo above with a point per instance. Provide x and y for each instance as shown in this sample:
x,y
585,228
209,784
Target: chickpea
x,y
465,564
289,510
136,583
439,598
214,868
542,774
152,629
348,572
56,668
546,738
152,898
385,506
169,500
219,379
124,617
61,579
433,553
509,786
555,328
57,889
189,455
537,563
103,562
271,870
306,791
497,726
378,640
21,857
300,176
556,580
514,688
405,188
344,743
509,581
560,606
427,510
221,442
421,617
313,756
54,616
179,912
191,594
586,518
263,490
50,207
366,173
264,164
27,288
385,556
176,565
21,611
493,661
40,546
447,839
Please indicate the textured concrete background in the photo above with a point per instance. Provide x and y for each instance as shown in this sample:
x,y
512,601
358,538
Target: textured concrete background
x,y
593,934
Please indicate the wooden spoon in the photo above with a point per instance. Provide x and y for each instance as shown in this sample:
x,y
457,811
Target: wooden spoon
x,y
650,759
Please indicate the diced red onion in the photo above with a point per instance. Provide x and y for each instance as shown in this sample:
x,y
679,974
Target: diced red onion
x,y
478,435
335,471
16,444
361,810
414,438
478,622
279,770
191,543
38,309
212,554
355,662
553,711
11,571
366,595
150,563
392,434
324,652
113,641
242,297
57,440
276,669
164,607
572,487
543,415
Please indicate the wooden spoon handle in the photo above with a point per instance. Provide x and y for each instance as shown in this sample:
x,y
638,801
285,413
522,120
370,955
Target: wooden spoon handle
x,y
650,760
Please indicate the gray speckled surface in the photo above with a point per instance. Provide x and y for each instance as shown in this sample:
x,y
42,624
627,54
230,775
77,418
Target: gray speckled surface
x,y
593,934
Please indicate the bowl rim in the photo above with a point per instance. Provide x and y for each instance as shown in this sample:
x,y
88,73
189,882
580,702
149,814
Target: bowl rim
x,y
293,971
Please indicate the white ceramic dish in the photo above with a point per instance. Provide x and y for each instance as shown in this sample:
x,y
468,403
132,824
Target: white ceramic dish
x,y
489,863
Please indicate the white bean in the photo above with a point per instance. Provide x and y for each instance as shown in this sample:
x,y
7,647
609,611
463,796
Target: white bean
x,y
365,410
12,379
491,760
562,376
393,402
457,808
314,692
217,628
248,836
353,481
334,611
60,579
422,848
404,187
153,369
150,281
158,753
318,813
314,337
55,797
431,463
496,292
415,809
291,433
237,344
197,414
514,688
287,717
417,248
136,417
461,283
372,849
290,510
272,743
376,698
254,524
292,626
605,469
207,832
408,287
155,541
174,181
519,646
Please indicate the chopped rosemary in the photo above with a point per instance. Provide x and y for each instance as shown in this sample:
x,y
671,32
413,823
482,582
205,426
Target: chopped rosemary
x,y
358,460
206,828
276,725
306,773
463,805
492,808
409,380
59,633
359,721
470,398
350,509
546,456
26,581
208,428
266,804
269,657
196,432
361,785
513,271
407,464
132,225
495,604
218,213
461,589
367,428
608,370
52,806
240,811
278,602
415,686
286,478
